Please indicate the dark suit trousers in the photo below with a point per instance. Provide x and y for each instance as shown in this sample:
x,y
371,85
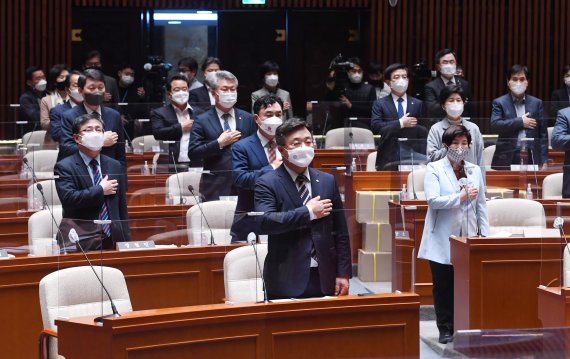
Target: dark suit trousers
x,y
313,286
442,278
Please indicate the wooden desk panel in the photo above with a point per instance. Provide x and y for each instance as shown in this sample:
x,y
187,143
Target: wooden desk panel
x,y
331,158
380,326
554,306
156,279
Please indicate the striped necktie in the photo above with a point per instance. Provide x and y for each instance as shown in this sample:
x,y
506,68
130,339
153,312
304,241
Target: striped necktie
x,y
271,151
104,213
304,193
226,117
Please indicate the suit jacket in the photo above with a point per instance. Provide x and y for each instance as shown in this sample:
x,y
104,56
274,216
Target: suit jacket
x,y
292,234
249,163
199,98
204,145
506,124
561,141
112,121
165,127
112,88
55,116
282,94
431,98
30,109
386,123
82,200
558,100
446,215
362,96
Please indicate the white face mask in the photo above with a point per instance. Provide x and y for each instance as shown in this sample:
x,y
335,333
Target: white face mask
x,y
41,85
518,88
448,69
93,140
271,80
180,97
301,156
76,96
454,109
355,78
269,125
127,80
567,81
400,85
227,99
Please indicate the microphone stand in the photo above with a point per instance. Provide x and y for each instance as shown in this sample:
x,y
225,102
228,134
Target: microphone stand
x,y
252,238
191,189
177,178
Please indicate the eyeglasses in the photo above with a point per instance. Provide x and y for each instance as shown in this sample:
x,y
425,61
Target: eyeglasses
x,y
92,129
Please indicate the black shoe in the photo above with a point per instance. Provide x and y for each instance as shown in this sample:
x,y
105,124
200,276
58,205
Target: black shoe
x,y
445,337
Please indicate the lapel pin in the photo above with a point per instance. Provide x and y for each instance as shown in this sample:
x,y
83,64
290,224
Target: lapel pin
x,y
317,181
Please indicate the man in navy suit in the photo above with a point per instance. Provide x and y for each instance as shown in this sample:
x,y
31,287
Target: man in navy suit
x,y
213,134
560,98
75,99
173,122
252,157
396,116
515,117
561,141
309,248
91,185
92,88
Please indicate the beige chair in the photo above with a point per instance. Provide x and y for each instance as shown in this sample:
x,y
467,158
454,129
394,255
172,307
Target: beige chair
x,y
488,154
145,144
35,199
177,187
513,214
74,292
340,137
417,184
34,140
242,279
566,265
371,162
552,186
41,230
549,130
219,215
42,161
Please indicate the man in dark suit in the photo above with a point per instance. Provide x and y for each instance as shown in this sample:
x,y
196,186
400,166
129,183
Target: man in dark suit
x,y
252,157
93,61
30,99
309,248
173,122
517,117
92,88
201,97
446,65
91,185
561,141
560,98
396,116
75,99
213,134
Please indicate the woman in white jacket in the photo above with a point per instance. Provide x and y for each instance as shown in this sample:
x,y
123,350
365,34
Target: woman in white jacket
x,y
455,192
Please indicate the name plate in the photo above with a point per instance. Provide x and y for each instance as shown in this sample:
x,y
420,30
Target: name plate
x,y
524,167
135,246
410,167
4,254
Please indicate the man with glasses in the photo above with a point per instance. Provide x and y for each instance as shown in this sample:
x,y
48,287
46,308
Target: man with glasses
x,y
213,134
92,186
309,249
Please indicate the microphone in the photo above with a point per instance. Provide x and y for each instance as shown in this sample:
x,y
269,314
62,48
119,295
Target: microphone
x,y
252,239
534,166
74,238
45,203
559,224
34,178
163,65
177,178
191,189
413,182
463,185
352,145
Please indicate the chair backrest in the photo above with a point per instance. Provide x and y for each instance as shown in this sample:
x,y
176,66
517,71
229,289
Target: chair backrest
x,y
512,214
417,184
371,162
341,137
549,130
566,265
42,161
488,154
75,291
219,215
177,186
552,186
242,279
35,199
41,230
34,140
144,143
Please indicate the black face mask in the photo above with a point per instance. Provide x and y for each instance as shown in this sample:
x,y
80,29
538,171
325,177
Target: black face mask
x,y
60,85
94,99
377,83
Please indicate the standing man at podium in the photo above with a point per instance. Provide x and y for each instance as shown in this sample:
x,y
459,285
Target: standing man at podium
x,y
309,249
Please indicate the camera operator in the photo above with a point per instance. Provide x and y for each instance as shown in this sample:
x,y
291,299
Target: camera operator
x,y
356,97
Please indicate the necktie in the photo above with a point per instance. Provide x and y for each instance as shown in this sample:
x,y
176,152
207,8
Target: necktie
x,y
95,113
303,188
449,83
104,213
271,151
400,108
226,117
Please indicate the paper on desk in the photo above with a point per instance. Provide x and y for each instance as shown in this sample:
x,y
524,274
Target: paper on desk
x,y
500,234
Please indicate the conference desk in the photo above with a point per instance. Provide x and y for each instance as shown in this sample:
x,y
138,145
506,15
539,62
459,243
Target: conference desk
x,y
554,306
379,326
158,278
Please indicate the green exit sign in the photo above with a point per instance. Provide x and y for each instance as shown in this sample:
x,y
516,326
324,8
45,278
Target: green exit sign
x,y
253,2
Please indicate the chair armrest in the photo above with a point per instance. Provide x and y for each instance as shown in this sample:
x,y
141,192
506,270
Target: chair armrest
x,y
44,342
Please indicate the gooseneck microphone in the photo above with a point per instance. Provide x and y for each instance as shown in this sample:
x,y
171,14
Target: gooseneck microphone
x,y
74,238
559,224
191,189
252,239
31,169
413,183
463,185
41,189
177,178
